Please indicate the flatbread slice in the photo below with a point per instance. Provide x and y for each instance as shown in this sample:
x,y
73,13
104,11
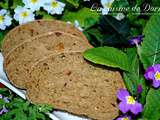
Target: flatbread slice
x,y
26,31
69,83
19,61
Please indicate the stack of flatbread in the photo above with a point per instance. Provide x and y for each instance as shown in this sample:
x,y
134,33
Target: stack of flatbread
x,y
46,58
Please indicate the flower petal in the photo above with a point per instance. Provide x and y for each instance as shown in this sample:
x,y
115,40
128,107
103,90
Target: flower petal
x,y
18,9
1,96
149,73
6,99
103,2
23,19
123,107
139,89
2,27
136,108
156,67
76,23
61,4
34,6
105,11
3,12
122,117
4,110
122,93
156,83
7,20
136,40
58,9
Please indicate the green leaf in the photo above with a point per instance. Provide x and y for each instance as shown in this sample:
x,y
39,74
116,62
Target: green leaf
x,y
44,15
139,2
115,32
85,17
131,77
155,2
120,3
122,27
75,3
44,108
89,21
16,3
152,107
107,56
151,42
142,96
96,33
20,109
2,34
4,4
3,90
20,115
129,83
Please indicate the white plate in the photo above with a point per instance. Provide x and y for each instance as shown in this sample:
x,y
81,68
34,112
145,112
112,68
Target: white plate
x,y
56,115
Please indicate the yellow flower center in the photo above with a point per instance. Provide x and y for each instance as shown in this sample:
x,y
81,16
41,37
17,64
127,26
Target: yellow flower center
x,y
130,100
157,75
34,1
54,4
125,118
1,19
24,14
108,5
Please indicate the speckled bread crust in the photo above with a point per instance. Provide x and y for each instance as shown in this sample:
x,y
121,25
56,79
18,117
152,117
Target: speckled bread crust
x,y
19,61
32,29
70,83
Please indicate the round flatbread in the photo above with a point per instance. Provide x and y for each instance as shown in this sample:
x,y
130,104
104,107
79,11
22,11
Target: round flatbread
x,y
18,62
26,31
70,83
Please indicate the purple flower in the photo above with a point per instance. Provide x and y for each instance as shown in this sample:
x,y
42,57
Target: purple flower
x,y
128,102
3,110
139,89
124,118
136,40
6,100
1,96
153,73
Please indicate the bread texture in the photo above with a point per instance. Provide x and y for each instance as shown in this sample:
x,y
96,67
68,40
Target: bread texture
x,y
70,83
19,61
26,31
46,58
